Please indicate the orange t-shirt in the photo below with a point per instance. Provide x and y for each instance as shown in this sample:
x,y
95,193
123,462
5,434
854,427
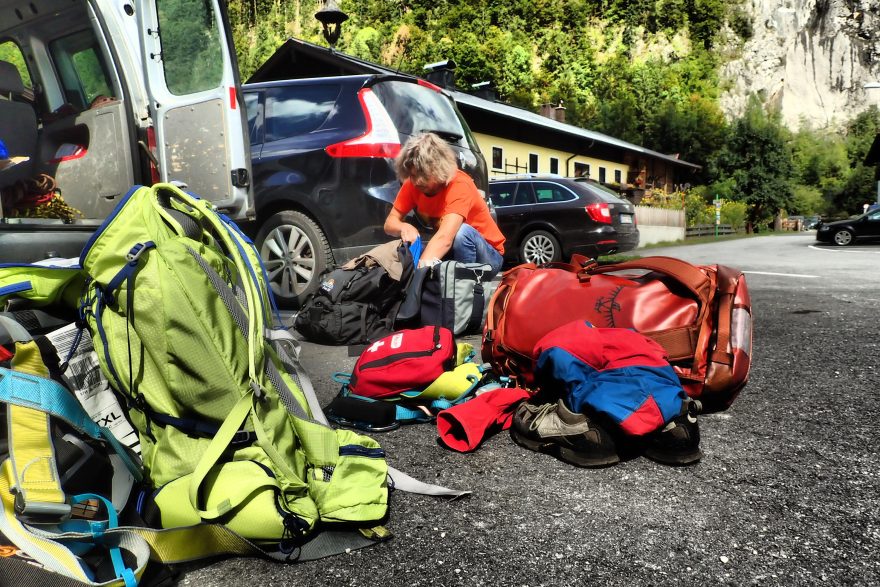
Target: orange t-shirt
x,y
460,196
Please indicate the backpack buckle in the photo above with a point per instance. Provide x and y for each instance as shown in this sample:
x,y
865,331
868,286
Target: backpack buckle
x,y
259,392
39,511
136,251
243,438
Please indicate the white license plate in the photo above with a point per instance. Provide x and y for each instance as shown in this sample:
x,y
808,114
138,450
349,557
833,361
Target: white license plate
x,y
626,219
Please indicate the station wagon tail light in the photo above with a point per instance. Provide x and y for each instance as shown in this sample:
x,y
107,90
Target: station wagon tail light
x,y
379,140
600,212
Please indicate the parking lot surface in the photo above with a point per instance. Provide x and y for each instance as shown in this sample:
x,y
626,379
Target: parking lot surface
x,y
788,492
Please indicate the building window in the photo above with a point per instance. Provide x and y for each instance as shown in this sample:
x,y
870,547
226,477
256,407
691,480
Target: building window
x,y
581,170
497,158
533,163
601,175
554,165
616,176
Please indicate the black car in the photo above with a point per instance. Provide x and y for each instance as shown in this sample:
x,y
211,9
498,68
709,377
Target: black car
x,y
322,152
548,218
846,232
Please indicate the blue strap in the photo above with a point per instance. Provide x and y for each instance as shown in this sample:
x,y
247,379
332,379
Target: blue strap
x,y
200,428
45,395
97,529
50,397
415,249
99,311
128,269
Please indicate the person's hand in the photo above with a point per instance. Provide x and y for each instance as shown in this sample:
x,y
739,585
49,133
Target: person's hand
x,y
428,262
408,233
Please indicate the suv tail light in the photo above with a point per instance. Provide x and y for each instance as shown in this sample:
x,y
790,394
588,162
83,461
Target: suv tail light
x,y
380,139
429,85
600,212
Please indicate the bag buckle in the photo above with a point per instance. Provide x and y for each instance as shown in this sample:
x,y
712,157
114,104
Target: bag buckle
x,y
41,511
243,438
135,253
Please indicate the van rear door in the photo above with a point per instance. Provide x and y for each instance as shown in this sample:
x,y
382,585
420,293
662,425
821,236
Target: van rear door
x,y
195,100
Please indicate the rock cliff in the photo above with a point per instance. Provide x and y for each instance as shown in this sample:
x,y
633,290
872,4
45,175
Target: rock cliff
x,y
810,57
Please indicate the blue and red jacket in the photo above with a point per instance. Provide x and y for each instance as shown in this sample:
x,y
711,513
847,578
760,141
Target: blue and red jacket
x,y
614,371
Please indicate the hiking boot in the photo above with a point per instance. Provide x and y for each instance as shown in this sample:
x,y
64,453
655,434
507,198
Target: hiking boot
x,y
677,443
553,429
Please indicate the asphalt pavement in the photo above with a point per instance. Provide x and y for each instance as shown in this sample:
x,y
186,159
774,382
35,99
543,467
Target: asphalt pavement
x,y
788,492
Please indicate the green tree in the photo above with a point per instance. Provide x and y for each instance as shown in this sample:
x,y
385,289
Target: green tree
x,y
807,201
755,164
860,185
697,208
694,129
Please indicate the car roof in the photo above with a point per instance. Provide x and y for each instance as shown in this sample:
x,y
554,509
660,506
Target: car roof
x,y
591,186
530,176
358,80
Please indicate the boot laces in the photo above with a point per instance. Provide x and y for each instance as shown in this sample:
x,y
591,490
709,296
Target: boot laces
x,y
540,415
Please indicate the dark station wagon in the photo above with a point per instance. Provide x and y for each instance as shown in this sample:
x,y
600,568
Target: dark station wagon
x,y
548,218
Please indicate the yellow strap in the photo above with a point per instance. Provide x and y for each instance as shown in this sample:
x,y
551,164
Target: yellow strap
x,y
30,439
33,457
214,452
191,543
28,359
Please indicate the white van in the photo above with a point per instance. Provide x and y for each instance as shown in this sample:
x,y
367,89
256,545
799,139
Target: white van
x,y
101,95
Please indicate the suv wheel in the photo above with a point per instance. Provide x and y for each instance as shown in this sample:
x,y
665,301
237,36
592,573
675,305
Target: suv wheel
x,y
843,237
295,252
540,247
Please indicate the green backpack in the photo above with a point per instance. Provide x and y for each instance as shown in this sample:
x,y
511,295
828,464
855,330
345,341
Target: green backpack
x,y
175,299
181,320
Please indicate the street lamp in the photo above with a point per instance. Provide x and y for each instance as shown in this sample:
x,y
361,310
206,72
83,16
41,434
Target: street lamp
x,y
331,19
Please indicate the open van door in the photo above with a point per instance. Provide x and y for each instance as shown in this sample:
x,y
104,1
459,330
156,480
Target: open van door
x,y
198,119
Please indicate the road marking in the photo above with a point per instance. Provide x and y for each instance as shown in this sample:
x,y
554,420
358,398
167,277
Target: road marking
x,y
782,274
843,250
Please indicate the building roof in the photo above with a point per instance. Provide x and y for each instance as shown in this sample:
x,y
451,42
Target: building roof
x,y
524,116
297,59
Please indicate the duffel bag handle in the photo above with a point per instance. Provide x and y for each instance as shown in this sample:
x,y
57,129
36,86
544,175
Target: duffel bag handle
x,y
579,264
688,275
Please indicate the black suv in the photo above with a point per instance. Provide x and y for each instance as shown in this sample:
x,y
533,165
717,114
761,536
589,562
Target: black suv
x,y
548,218
322,152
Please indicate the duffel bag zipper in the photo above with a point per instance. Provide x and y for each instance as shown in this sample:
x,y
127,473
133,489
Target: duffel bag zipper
x,y
408,355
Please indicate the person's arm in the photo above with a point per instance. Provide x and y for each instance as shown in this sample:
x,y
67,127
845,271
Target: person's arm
x,y
395,225
441,242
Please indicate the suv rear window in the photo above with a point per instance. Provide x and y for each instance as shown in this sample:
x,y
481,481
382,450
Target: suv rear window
x,y
296,110
415,109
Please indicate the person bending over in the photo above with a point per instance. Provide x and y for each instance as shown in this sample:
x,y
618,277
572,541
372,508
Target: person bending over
x,y
445,199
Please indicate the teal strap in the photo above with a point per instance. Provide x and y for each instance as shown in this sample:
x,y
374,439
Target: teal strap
x,y
50,397
97,530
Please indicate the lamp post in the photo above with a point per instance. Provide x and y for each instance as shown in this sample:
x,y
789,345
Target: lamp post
x,y
331,19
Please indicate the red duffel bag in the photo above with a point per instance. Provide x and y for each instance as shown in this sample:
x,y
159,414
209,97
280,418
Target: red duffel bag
x,y
701,315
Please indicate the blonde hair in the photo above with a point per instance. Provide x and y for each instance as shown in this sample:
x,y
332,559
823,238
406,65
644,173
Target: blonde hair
x,y
426,156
